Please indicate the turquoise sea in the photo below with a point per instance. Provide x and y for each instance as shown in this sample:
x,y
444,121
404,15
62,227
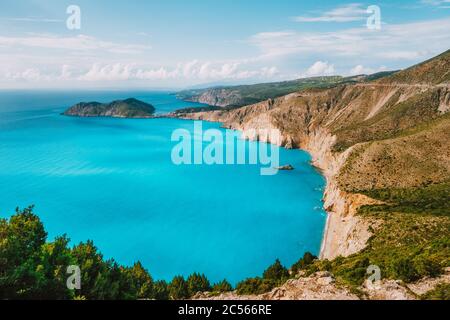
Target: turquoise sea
x,y
113,181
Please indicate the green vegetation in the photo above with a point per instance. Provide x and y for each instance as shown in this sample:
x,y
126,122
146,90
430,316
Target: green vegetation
x,y
32,268
411,242
238,96
432,199
178,288
129,108
441,292
197,283
222,287
303,263
274,276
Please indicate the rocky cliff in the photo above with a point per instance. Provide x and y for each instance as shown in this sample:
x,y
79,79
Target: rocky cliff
x,y
389,133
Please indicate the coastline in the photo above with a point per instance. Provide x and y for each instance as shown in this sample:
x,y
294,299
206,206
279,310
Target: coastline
x,y
344,233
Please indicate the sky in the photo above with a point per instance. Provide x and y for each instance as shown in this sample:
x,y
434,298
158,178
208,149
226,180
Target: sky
x,y
180,43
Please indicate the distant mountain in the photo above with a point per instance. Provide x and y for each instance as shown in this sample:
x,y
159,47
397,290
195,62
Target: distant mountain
x,y
238,96
129,108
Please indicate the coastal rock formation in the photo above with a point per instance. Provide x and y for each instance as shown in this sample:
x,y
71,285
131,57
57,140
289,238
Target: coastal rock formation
x,y
129,108
323,286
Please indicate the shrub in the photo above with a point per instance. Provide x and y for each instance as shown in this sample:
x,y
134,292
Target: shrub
x,y
254,286
405,270
441,292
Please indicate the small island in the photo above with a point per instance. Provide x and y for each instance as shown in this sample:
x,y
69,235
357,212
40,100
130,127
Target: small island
x,y
129,108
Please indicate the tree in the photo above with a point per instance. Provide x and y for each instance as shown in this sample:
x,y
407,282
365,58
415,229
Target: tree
x,y
178,289
161,290
222,286
307,260
197,283
276,272
20,247
141,280
93,271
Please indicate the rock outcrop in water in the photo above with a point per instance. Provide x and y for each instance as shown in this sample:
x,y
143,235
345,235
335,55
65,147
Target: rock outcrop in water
x,y
129,108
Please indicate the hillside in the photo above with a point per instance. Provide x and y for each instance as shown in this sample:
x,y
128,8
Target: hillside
x,y
129,108
238,96
383,146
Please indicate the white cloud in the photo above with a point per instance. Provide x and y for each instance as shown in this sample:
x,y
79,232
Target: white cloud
x,y
395,41
192,70
75,43
320,68
360,69
347,13
116,72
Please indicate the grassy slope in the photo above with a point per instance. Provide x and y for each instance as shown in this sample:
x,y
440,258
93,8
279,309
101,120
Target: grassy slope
x,y
405,163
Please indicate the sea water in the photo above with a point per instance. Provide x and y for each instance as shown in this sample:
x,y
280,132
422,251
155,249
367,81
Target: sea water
x,y
113,181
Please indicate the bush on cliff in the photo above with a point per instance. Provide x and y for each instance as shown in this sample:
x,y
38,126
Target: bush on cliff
x,y
254,286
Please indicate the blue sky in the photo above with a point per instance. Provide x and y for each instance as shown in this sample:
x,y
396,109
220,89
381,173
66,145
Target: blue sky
x,y
175,43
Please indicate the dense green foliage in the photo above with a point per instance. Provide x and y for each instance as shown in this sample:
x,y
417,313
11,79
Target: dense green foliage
x,y
31,268
222,286
273,276
411,241
303,263
197,283
178,288
433,199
